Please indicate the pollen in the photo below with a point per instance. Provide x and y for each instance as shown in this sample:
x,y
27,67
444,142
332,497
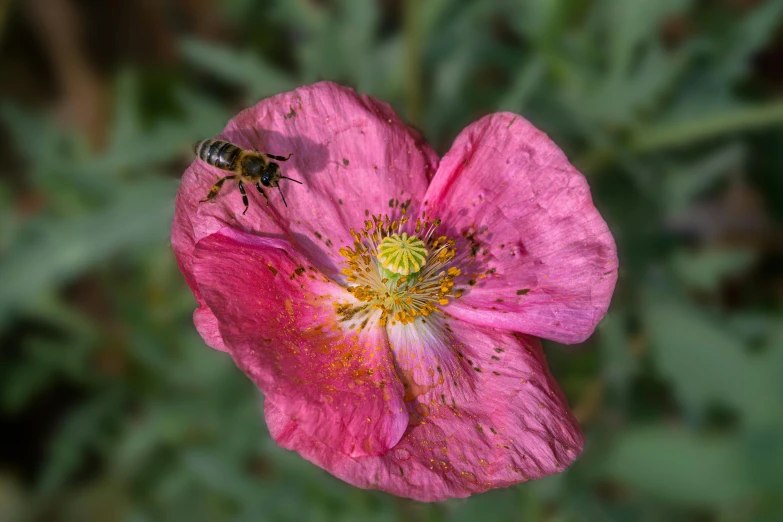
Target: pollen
x,y
396,272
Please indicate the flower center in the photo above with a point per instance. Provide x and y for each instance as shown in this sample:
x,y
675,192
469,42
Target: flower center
x,y
402,254
396,277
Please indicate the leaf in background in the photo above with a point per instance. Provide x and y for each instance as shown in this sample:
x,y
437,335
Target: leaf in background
x,y
167,140
542,22
705,269
630,24
220,476
357,38
507,505
680,467
21,383
526,81
619,365
747,37
242,68
81,432
31,133
682,185
694,128
707,364
53,155
126,125
310,18
141,215
639,69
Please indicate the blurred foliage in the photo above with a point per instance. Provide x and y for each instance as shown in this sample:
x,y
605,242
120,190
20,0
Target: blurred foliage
x,y
113,408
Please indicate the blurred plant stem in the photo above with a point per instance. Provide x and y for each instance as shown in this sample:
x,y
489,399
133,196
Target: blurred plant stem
x,y
413,80
82,94
687,132
684,133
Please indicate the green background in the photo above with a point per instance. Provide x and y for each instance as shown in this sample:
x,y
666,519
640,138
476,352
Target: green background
x,y
113,409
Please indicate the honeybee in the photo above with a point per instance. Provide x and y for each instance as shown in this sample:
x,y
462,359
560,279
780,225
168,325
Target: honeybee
x,y
247,166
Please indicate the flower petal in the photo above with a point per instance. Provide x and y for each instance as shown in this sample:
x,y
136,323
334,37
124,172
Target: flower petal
x,y
275,315
351,152
543,259
423,360
508,424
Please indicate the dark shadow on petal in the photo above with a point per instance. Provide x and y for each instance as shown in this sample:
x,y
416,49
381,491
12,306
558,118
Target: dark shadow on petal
x,y
309,158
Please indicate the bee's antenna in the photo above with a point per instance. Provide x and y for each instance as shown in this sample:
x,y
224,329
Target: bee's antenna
x,y
281,195
292,179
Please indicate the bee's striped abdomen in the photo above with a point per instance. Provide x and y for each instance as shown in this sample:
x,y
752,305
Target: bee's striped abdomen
x,y
221,154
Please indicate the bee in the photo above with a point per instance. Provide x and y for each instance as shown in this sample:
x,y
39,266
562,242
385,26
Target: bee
x,y
247,166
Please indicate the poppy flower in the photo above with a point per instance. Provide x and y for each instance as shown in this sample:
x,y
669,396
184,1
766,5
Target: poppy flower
x,y
390,313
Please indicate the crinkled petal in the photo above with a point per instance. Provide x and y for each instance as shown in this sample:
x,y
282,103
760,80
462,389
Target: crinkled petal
x,y
541,260
183,242
424,358
508,423
274,313
352,153
208,328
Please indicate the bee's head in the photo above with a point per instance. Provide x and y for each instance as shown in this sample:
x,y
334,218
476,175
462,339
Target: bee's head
x,y
271,175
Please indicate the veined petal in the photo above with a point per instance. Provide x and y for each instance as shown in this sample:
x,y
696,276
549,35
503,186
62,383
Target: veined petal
x,y
274,313
183,240
543,260
425,358
351,152
508,424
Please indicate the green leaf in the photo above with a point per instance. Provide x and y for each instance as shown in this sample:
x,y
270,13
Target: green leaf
x,y
619,365
526,81
242,68
141,215
632,23
706,363
138,148
705,269
81,432
220,476
683,184
679,467
747,37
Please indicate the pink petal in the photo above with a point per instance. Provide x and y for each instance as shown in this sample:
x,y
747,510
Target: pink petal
x,y
544,261
208,328
425,358
275,315
510,423
183,241
351,152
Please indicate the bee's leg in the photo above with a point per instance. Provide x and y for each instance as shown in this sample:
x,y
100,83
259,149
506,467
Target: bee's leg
x,y
244,196
278,158
216,188
258,186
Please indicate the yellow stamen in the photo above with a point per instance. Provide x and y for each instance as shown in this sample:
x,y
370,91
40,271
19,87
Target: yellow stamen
x,y
397,278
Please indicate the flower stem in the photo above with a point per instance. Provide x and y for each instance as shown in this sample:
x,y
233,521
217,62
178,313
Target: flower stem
x,y
693,130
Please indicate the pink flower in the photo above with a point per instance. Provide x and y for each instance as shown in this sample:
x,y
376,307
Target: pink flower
x,y
390,312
